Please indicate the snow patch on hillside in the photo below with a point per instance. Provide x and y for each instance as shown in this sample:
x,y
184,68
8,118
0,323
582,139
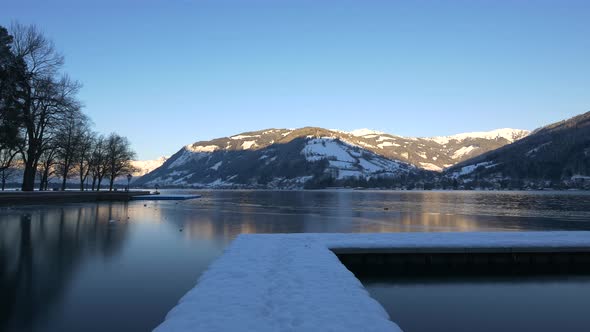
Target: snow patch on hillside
x,y
535,150
384,144
243,136
369,166
216,166
248,144
470,168
326,148
463,151
185,156
431,167
201,148
346,162
509,134
365,132
142,167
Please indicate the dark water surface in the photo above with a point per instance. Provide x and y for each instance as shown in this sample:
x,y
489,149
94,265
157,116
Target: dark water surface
x,y
67,268
486,304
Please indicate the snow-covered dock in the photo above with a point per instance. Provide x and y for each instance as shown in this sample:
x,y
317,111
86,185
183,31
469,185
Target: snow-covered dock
x,y
295,282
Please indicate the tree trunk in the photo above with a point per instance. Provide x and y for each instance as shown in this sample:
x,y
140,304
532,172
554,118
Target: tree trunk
x,y
44,178
65,175
63,183
111,181
29,174
93,182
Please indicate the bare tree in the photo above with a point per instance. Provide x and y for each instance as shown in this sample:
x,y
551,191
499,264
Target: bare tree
x,y
84,156
47,167
41,118
70,133
45,97
119,156
98,161
6,163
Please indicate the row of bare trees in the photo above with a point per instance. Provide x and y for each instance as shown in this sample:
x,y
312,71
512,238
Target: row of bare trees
x,y
42,127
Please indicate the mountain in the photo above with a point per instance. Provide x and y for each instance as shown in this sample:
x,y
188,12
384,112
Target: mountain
x,y
433,153
316,157
143,167
552,156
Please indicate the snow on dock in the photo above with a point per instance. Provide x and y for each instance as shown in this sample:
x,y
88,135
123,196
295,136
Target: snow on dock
x,y
158,197
295,282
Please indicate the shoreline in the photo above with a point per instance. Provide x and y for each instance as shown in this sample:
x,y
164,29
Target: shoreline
x,y
59,197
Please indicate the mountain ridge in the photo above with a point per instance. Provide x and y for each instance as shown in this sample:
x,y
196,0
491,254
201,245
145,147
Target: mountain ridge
x,y
376,141
256,158
555,155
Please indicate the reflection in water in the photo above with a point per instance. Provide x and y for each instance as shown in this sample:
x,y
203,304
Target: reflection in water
x,y
39,252
66,268
227,214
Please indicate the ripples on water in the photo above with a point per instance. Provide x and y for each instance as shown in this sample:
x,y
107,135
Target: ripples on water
x,y
67,268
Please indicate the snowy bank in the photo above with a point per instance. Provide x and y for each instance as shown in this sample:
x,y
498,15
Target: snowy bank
x,y
294,282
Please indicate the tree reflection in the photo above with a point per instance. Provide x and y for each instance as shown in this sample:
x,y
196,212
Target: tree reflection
x,y
41,249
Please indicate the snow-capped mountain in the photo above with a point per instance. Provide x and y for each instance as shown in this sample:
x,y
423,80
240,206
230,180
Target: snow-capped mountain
x,y
294,157
434,153
553,156
143,167
508,134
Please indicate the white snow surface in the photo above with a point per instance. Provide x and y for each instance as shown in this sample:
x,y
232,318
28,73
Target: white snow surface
x,y
294,282
216,166
369,166
470,168
248,144
201,148
186,155
385,138
431,167
321,148
384,144
344,157
246,136
509,134
342,164
365,132
142,167
463,151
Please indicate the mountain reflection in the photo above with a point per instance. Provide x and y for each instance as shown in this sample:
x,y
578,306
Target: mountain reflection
x,y
40,250
222,216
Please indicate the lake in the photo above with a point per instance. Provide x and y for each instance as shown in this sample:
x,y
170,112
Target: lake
x,y
540,303
122,266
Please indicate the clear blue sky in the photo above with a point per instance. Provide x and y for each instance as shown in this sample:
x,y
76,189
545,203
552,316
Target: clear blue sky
x,y
167,73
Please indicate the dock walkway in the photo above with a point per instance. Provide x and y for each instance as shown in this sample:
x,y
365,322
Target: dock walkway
x,y
296,282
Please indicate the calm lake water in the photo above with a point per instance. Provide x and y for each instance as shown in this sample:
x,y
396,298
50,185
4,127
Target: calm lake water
x,y
486,304
67,268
